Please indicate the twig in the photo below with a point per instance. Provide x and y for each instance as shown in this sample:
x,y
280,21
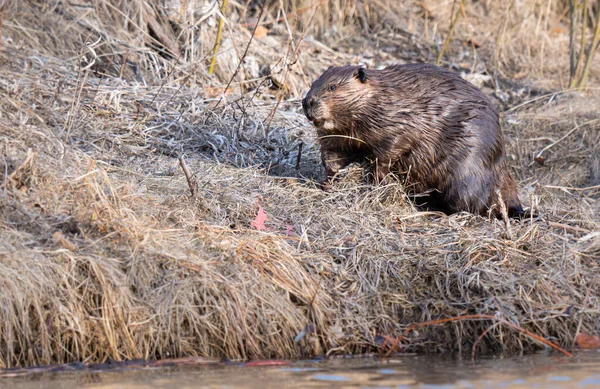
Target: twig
x,y
2,13
75,103
568,227
31,155
287,69
500,37
590,54
190,180
573,83
343,136
504,212
298,12
213,61
237,69
420,214
480,338
280,93
450,33
475,317
551,95
566,135
299,155
164,81
5,186
572,22
573,188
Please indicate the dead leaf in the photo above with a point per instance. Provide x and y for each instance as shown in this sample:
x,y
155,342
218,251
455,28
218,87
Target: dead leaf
x,y
259,221
261,32
289,230
62,241
587,341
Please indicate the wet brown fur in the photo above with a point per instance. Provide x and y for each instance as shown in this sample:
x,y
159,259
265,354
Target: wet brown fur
x,y
439,129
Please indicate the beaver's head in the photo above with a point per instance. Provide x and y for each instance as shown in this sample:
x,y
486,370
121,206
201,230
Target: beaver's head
x,y
335,96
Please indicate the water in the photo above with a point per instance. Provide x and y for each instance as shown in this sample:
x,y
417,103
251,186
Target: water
x,y
545,370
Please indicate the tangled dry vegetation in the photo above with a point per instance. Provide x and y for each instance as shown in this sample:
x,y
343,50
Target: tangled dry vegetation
x,y
105,255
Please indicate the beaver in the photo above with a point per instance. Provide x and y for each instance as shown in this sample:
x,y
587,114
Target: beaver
x,y
441,131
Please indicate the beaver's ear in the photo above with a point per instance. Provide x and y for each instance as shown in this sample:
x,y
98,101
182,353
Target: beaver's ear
x,y
361,74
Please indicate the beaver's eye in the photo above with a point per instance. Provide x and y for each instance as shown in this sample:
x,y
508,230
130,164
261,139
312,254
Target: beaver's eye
x,y
331,88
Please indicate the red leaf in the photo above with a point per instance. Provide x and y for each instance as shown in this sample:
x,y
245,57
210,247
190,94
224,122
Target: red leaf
x,y
259,221
588,341
267,362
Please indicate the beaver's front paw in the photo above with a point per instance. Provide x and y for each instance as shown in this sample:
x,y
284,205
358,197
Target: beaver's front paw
x,y
326,185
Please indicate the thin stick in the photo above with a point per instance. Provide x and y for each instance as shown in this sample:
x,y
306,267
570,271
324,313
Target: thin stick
x,y
287,68
501,32
419,214
581,44
190,180
75,104
566,135
281,19
479,339
450,33
299,155
590,54
551,95
568,227
237,69
342,136
476,317
573,188
2,12
572,22
213,61
162,84
280,93
504,212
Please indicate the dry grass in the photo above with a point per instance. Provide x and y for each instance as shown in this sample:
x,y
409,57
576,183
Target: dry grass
x,y
103,255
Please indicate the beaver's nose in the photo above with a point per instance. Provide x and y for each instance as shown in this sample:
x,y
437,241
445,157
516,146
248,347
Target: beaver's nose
x,y
307,103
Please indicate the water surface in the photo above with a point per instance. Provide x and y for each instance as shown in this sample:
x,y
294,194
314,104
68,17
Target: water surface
x,y
542,370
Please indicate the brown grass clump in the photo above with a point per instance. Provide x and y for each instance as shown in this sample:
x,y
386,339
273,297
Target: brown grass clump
x,y
105,255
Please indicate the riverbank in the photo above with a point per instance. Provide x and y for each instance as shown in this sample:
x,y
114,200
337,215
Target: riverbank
x,y
106,254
